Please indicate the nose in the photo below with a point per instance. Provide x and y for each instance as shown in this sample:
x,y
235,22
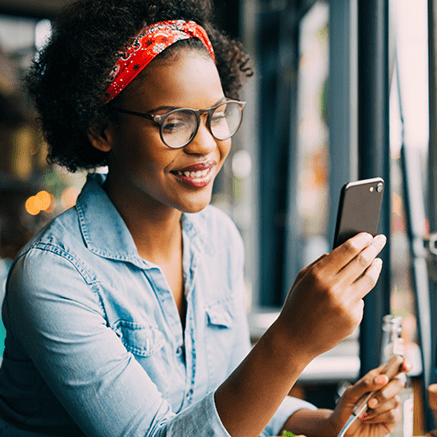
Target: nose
x,y
203,143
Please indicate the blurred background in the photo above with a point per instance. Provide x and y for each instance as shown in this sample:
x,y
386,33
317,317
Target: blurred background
x,y
341,92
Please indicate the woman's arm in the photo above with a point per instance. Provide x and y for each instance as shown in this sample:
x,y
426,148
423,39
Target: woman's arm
x,y
323,307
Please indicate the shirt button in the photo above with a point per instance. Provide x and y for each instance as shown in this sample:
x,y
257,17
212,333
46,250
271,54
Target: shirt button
x,y
179,350
190,393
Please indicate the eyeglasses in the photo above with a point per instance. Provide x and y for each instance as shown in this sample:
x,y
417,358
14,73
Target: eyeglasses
x,y
179,126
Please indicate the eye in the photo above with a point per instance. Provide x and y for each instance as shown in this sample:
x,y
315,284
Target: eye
x,y
175,123
218,116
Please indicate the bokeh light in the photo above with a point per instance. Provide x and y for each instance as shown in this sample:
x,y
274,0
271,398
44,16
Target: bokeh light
x,y
46,200
42,201
33,205
241,164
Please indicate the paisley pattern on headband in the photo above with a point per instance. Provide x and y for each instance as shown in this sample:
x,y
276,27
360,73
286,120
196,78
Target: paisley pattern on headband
x,y
149,43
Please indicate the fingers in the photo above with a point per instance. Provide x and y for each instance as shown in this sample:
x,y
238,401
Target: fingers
x,y
363,271
345,253
353,257
383,406
370,382
348,262
389,413
363,260
378,381
368,280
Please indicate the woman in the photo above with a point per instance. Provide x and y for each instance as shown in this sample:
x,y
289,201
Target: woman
x,y
125,315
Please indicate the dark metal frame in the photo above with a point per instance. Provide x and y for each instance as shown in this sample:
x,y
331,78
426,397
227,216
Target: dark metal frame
x,y
374,156
432,184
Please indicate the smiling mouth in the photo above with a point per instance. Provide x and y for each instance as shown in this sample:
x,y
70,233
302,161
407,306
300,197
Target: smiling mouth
x,y
196,179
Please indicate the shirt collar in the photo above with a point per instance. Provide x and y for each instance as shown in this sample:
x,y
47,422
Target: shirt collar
x,y
105,232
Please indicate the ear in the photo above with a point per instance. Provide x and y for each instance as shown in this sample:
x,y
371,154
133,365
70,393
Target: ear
x,y
101,140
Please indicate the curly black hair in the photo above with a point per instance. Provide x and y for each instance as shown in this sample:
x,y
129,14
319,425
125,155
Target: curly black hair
x,y
68,79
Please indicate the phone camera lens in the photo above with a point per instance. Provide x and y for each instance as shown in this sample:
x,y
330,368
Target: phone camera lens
x,y
379,187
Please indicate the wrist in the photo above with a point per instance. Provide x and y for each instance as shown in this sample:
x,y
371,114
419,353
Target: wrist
x,y
314,423
291,343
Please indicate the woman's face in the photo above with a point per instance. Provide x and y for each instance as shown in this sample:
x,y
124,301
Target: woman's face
x,y
141,163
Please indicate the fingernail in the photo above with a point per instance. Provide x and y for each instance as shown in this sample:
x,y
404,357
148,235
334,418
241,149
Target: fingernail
x,y
373,403
380,240
368,238
378,262
381,379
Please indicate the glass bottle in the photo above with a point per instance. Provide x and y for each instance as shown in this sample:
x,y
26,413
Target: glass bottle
x,y
432,402
393,344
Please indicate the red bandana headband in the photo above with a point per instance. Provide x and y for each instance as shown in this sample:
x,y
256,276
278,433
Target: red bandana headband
x,y
148,44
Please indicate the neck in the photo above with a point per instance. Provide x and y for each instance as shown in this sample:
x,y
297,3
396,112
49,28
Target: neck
x,y
155,228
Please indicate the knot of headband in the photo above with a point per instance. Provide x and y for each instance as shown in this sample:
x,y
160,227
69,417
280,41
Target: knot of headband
x,y
148,44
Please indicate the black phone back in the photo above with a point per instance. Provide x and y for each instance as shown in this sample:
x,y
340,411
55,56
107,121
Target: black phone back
x,y
359,208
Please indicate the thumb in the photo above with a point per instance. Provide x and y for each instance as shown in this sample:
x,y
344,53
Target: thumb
x,y
371,382
376,378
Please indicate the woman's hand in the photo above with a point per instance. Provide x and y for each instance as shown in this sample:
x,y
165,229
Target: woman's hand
x,y
325,304
383,411
381,417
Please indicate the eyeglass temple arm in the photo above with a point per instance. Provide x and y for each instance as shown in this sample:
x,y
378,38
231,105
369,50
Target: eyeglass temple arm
x,y
139,114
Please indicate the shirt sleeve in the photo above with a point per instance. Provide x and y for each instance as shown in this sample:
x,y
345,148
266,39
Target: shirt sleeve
x,y
58,322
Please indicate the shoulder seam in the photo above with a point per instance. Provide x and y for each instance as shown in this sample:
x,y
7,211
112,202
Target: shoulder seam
x,y
91,281
88,278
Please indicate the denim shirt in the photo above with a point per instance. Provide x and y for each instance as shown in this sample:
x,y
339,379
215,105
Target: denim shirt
x,y
95,345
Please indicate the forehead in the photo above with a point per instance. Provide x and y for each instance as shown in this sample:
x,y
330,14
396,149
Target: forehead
x,y
186,78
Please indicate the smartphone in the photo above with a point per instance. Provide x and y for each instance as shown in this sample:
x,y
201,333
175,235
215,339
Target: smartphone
x,y
359,208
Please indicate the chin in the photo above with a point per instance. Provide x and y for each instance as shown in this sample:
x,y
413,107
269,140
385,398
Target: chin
x,y
195,202
196,206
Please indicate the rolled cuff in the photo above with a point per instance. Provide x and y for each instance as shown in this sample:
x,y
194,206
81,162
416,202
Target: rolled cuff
x,y
200,419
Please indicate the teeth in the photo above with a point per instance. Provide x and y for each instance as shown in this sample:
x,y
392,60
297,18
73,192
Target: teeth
x,y
194,174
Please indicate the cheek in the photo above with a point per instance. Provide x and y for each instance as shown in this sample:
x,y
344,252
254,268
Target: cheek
x,y
150,165
143,150
140,162
224,149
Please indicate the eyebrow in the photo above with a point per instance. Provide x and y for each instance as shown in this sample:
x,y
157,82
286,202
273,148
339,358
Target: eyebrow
x,y
170,108
162,108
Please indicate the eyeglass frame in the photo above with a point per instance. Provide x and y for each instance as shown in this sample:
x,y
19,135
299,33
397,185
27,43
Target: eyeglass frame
x,y
160,119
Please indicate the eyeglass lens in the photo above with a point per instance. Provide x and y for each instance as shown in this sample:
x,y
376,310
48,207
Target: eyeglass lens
x,y
181,125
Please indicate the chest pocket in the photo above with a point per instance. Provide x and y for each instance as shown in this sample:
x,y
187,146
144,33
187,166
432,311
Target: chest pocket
x,y
146,343
141,340
219,316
